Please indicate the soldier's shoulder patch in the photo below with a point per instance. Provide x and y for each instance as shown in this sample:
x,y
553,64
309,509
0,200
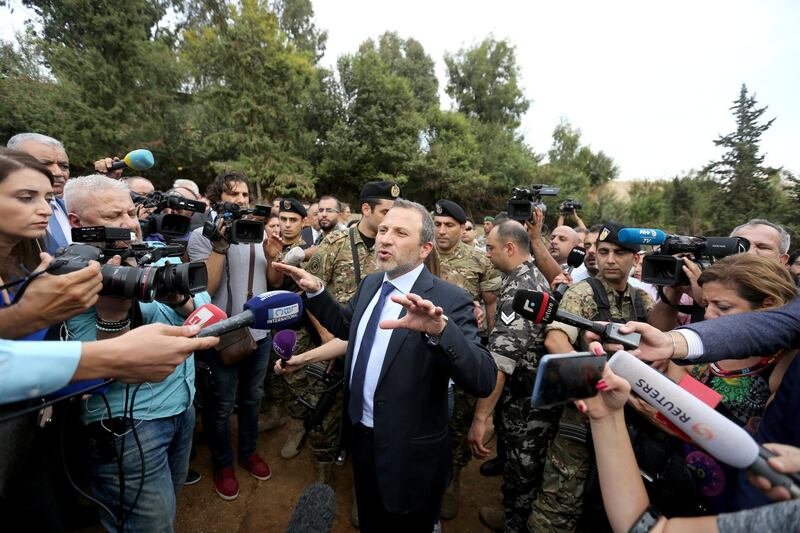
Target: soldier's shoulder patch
x,y
507,319
334,236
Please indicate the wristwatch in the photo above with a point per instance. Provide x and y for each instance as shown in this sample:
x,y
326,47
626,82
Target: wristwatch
x,y
433,340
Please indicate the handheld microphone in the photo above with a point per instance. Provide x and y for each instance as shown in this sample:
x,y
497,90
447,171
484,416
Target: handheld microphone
x,y
140,159
710,430
269,310
315,511
205,315
295,256
641,236
284,343
574,260
541,308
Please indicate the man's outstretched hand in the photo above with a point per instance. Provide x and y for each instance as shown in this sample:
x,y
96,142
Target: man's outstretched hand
x,y
307,282
421,315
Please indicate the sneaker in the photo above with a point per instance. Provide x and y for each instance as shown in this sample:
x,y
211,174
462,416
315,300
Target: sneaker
x,y
257,468
225,483
192,477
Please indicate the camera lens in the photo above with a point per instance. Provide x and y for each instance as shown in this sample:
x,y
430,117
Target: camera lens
x,y
129,282
187,278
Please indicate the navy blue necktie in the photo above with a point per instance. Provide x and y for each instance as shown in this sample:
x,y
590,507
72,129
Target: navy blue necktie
x,y
55,238
356,403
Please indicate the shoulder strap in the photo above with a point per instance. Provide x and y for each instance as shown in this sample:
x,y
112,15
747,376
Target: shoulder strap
x,y
638,305
229,299
252,269
601,299
354,251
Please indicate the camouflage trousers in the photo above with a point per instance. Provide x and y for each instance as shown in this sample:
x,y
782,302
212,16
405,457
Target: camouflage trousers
x,y
526,433
460,422
559,504
275,390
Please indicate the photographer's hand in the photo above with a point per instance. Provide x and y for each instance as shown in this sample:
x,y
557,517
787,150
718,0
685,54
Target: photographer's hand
x,y
541,255
111,309
103,166
49,300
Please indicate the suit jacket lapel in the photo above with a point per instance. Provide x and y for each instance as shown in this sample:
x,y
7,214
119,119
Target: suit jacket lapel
x,y
421,287
371,285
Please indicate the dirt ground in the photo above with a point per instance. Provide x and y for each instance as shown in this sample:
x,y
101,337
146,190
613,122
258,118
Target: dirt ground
x,y
266,506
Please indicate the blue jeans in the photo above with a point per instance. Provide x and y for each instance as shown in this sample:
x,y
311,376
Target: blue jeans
x,y
166,444
250,373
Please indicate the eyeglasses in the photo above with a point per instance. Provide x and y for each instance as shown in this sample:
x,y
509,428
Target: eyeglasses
x,y
328,210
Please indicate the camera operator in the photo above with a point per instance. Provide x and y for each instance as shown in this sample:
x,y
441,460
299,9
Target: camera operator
x,y
161,416
569,208
235,273
50,152
766,239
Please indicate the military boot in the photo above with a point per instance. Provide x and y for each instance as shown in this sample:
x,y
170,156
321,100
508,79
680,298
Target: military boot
x,y
292,446
450,497
270,419
494,519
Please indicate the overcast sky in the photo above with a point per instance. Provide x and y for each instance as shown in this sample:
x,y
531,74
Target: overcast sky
x,y
648,83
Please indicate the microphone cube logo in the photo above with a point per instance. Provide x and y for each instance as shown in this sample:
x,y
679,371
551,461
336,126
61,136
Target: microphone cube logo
x,y
280,314
200,318
647,235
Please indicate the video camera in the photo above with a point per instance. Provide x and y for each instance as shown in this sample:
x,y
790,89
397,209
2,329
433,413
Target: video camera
x,y
661,268
523,201
144,282
569,205
171,224
237,229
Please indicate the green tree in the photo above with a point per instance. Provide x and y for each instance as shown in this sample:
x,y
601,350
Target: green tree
x,y
252,89
296,20
751,189
407,58
484,82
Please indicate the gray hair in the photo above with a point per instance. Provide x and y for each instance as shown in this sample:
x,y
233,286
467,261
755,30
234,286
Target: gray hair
x,y
428,231
16,141
512,231
187,184
79,192
784,235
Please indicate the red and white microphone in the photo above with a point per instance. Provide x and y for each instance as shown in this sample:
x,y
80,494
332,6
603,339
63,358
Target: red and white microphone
x,y
205,315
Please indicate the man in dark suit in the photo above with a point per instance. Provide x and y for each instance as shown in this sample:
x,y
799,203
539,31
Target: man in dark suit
x,y
402,350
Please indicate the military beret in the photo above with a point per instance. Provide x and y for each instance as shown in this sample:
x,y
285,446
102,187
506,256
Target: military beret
x,y
488,218
610,233
380,190
447,208
293,206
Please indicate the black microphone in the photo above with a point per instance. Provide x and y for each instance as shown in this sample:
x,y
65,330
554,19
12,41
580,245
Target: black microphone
x,y
315,511
541,308
574,260
270,310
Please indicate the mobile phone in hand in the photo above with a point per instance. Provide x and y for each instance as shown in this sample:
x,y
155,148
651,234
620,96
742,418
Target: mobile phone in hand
x,y
563,378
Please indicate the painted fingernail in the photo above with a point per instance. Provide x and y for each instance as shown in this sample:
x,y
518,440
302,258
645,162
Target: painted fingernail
x,y
601,385
581,407
598,350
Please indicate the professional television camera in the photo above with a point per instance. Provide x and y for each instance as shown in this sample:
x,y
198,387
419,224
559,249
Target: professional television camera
x,y
661,268
143,282
569,205
238,229
170,224
523,201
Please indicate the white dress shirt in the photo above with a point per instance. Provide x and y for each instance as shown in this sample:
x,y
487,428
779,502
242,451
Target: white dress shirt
x,y
391,310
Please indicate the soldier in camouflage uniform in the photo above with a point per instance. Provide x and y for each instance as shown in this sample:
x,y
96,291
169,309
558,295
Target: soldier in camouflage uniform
x,y
516,346
470,269
341,261
607,297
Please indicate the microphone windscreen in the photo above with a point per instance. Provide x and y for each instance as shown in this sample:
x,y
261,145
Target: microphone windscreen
x,y
284,342
641,236
576,257
205,315
535,306
275,309
315,511
710,430
295,256
140,159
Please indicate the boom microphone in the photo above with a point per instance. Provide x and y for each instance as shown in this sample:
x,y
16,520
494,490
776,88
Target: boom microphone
x,y
710,430
269,310
315,511
284,343
140,159
641,236
295,256
541,308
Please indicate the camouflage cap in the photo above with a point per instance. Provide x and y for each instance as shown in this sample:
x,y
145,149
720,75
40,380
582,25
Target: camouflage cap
x,y
293,206
448,208
380,190
610,233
